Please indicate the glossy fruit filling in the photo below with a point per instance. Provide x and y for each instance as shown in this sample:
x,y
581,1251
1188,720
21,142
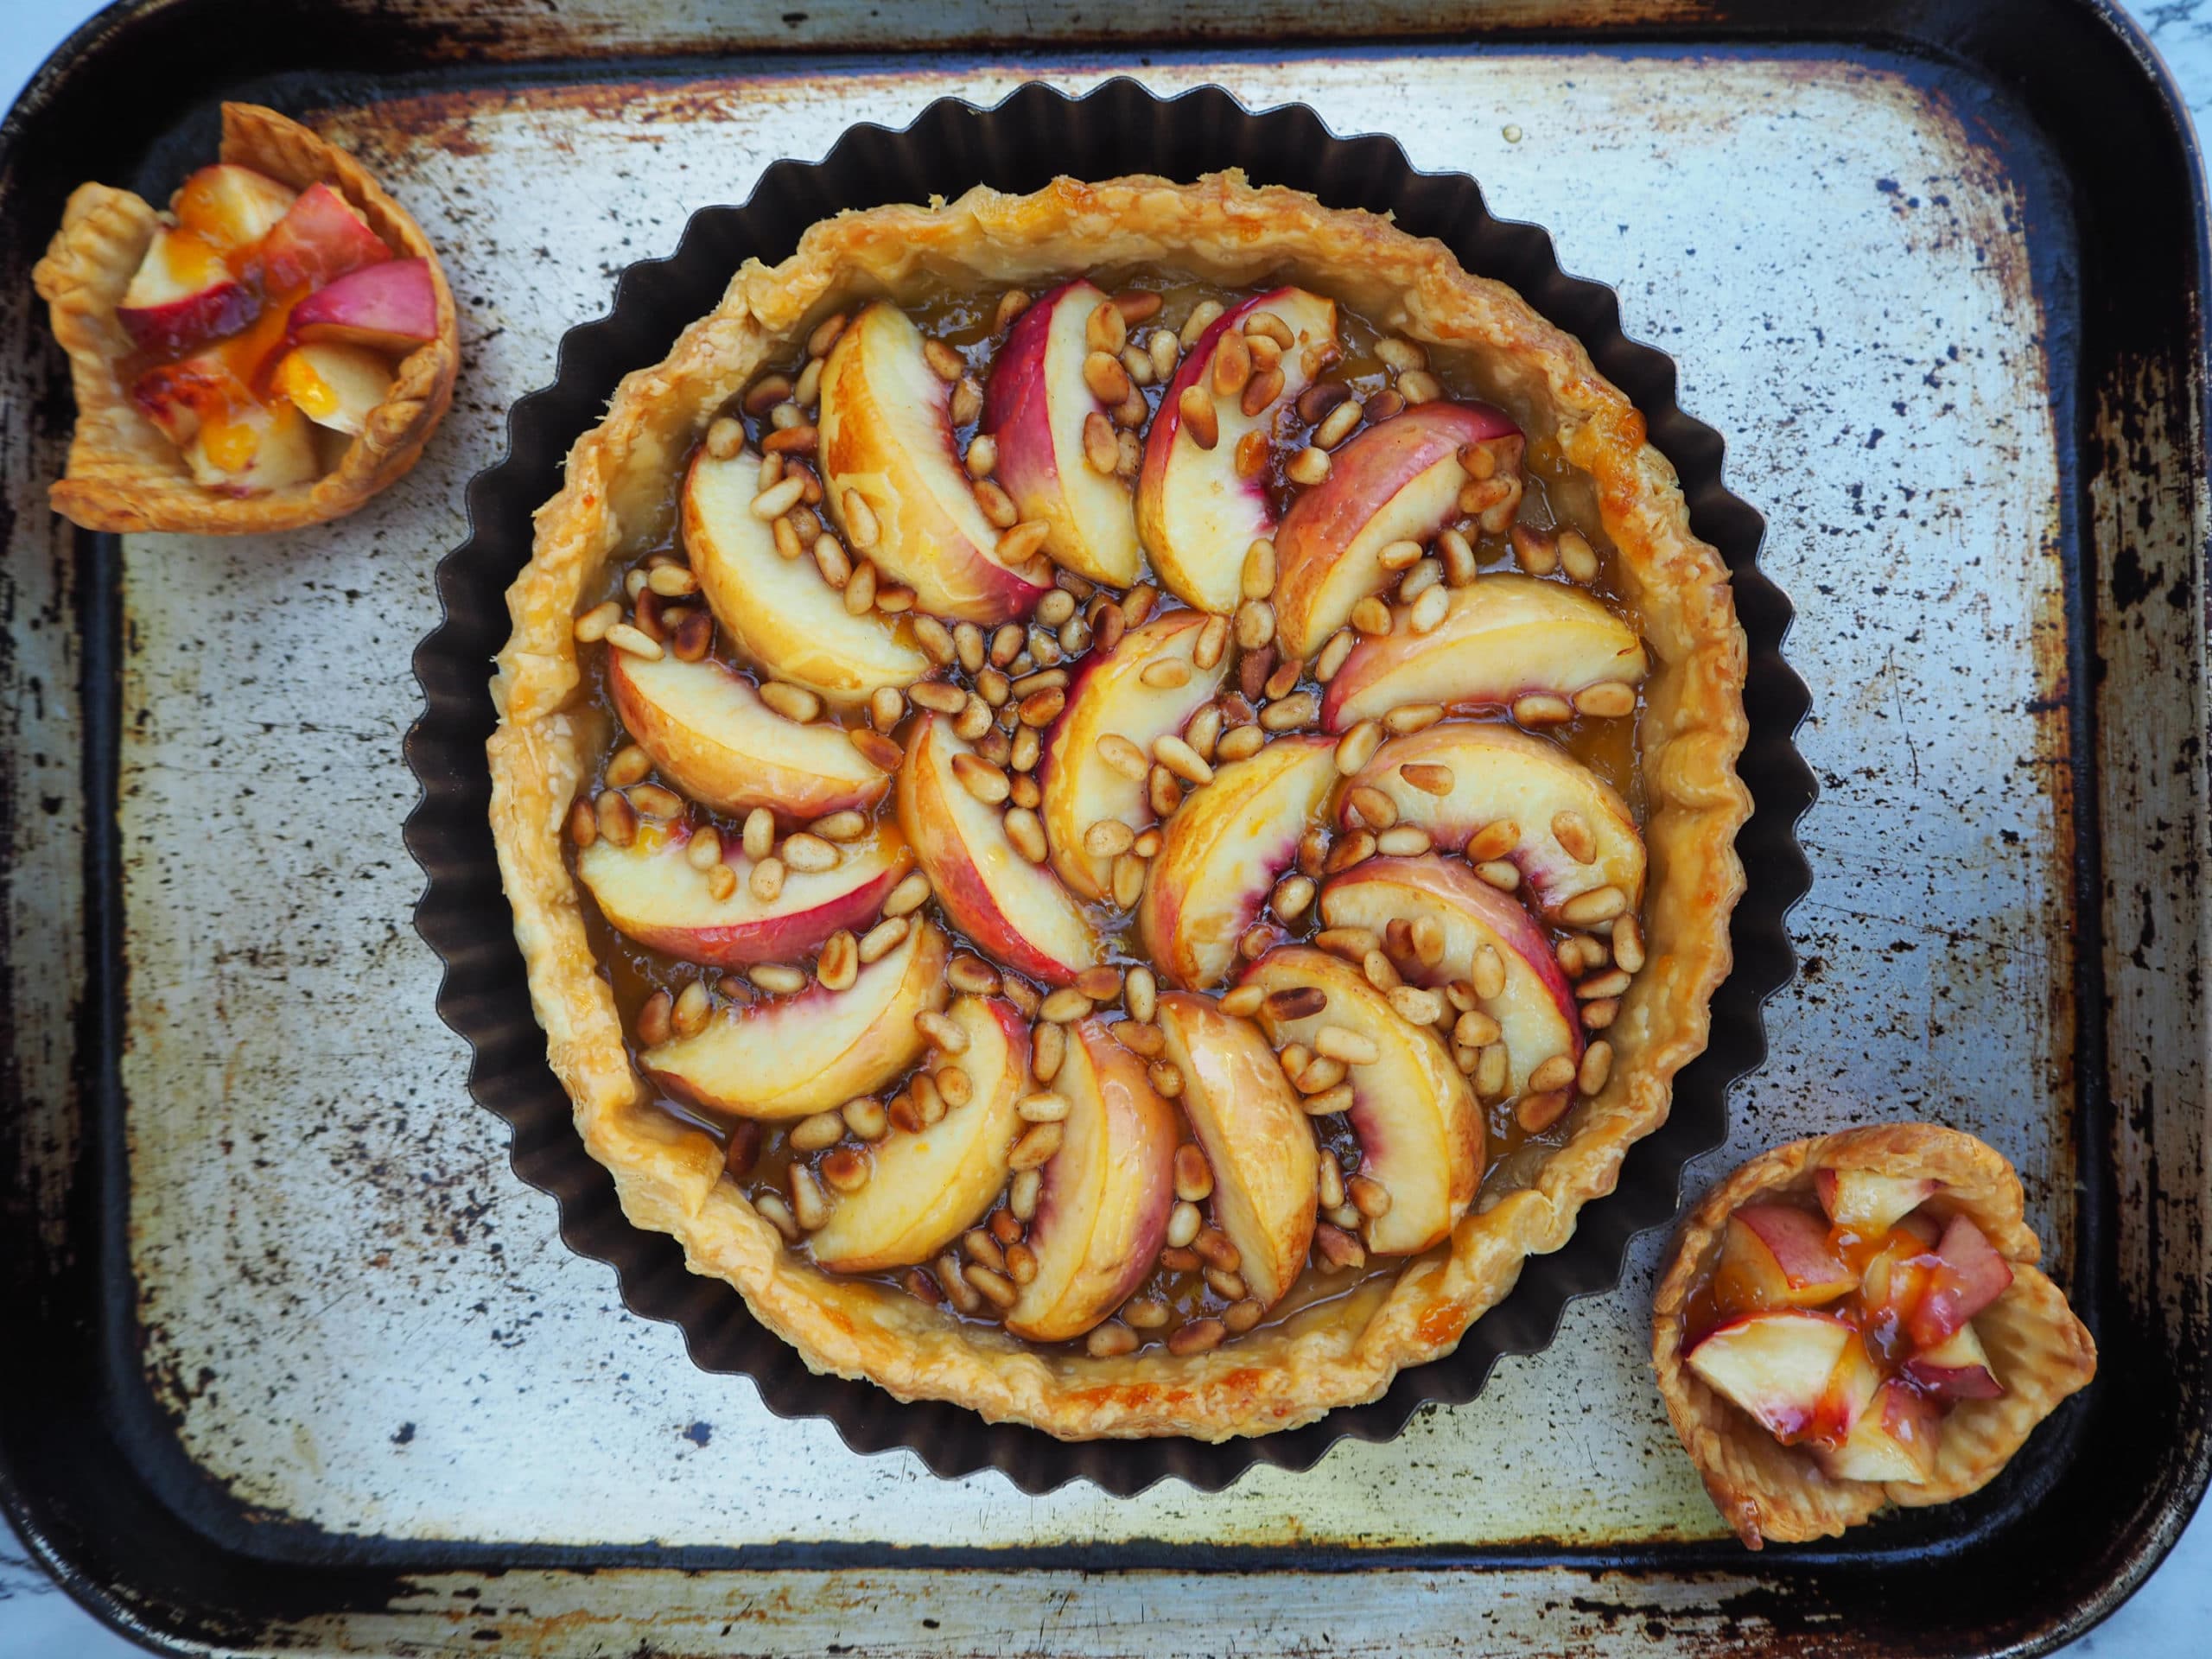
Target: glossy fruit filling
x,y
1848,1329
1120,809
266,325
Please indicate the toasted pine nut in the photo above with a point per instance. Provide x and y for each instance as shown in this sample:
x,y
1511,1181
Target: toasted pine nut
x,y
1065,1006
839,964
1035,1148
633,642
1408,717
910,895
792,701
1336,425
1607,700
810,855
1340,1043
942,1031
818,1133
1179,757
1308,467
1406,841
1195,412
1588,909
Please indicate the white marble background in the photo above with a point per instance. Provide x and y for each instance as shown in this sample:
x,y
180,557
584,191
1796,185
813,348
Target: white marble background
x,y
2169,1616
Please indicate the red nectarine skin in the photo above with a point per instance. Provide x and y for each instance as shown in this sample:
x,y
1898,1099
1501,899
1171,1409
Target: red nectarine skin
x,y
810,909
1364,477
388,306
321,239
1969,1275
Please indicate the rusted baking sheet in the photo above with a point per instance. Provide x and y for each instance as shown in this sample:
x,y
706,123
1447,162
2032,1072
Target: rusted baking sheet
x,y
364,1335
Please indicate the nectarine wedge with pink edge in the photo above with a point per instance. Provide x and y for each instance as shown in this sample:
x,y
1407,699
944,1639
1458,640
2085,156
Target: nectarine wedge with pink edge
x,y
1399,480
1196,514
1223,851
1535,1012
1034,407
322,236
927,1187
183,295
1503,638
1421,1136
886,435
1110,697
1497,775
653,893
709,734
1017,912
1775,1365
781,614
1256,1136
794,1056
1102,1212
391,307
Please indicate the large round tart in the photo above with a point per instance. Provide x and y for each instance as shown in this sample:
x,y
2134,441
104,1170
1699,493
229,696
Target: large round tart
x,y
1119,800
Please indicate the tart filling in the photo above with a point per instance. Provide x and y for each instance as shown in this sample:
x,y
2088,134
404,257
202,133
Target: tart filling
x,y
268,351
1119,809
1858,1319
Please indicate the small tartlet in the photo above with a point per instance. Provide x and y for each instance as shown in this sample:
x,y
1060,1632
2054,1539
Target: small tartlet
x,y
1769,1490
123,474
616,501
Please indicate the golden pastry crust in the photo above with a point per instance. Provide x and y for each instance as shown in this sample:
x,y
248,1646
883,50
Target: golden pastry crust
x,y
124,474
616,501
2042,1352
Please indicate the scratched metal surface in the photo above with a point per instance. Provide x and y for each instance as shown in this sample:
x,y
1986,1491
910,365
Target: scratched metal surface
x,y
363,1321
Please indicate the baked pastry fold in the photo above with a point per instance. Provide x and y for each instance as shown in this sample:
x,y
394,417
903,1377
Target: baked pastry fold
x,y
1765,1489
122,472
616,502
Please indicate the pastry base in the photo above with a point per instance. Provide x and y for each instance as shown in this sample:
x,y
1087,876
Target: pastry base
x,y
124,474
2042,1352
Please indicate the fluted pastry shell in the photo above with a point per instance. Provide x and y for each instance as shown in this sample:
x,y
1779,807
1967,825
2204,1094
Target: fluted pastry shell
x,y
2042,1352
124,473
615,502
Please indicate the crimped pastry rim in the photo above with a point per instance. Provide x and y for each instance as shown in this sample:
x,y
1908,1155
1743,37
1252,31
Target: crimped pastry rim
x,y
669,1180
123,474
1764,1489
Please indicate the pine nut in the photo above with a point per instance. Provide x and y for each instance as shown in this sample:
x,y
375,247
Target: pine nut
x,y
1536,550
777,978
809,1207
1370,1197
1213,639
865,1117
792,701
1023,1192
942,1031
1109,1341
778,1214
1309,466
1339,1043
1199,1336
672,581
1407,840
1065,1006
1042,1107
860,525
1417,1006
1354,848
839,964
859,588
1020,543
1337,1249
1543,708
986,783
1035,1148
1420,386
1577,557
1557,1072
1607,700
1265,386
1428,610
1194,409
910,895
1026,833
1291,896
1202,316
1336,426
1048,1046
971,976
1181,759
818,1133
1243,1001
1588,909
633,642
1128,877
1410,717
1240,744
810,855
777,499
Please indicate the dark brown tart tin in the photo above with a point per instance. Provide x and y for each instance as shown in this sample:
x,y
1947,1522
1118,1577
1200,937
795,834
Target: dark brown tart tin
x,y
1019,145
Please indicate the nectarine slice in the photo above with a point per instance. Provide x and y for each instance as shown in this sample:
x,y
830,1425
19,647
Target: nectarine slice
x,y
927,1187
794,1056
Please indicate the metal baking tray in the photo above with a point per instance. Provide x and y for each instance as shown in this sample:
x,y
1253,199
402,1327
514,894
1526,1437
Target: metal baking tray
x,y
1019,145
301,1366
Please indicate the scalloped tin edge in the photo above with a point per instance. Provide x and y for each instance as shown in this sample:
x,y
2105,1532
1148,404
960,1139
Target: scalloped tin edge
x,y
1118,127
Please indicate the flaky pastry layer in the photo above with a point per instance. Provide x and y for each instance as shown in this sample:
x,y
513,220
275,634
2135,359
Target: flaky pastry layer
x,y
2042,1352
124,473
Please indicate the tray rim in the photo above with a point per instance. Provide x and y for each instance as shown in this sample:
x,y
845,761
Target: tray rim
x,y
2167,1523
